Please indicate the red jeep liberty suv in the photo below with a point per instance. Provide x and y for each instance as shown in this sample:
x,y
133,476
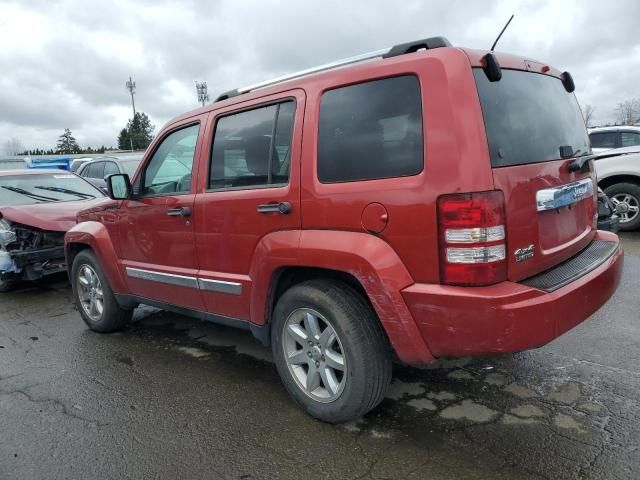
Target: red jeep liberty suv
x,y
425,201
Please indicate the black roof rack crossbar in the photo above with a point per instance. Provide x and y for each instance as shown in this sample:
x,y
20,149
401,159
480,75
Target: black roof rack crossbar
x,y
401,49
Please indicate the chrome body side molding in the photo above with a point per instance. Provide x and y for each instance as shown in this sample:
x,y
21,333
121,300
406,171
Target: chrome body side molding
x,y
231,288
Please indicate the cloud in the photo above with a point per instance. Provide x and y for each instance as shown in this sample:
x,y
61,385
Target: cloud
x,y
65,63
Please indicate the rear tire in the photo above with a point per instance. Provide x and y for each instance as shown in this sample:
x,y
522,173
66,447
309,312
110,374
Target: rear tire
x,y
628,194
93,296
330,350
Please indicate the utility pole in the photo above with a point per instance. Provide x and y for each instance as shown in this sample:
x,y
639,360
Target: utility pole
x,y
131,86
201,89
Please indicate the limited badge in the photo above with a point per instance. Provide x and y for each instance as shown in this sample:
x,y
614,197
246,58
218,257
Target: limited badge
x,y
525,253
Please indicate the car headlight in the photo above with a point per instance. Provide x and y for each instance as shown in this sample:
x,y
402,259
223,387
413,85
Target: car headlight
x,y
7,234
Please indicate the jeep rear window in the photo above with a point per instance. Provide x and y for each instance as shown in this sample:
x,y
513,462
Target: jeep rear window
x,y
528,117
370,130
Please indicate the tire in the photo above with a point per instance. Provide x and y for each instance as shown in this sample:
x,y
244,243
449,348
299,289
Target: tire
x,y
110,317
7,285
629,194
345,394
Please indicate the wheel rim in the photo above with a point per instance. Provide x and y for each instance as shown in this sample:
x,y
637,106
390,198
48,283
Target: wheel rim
x,y
630,204
90,292
314,355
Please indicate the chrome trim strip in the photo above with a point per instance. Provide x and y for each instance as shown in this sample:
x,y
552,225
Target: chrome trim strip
x,y
169,278
232,288
563,195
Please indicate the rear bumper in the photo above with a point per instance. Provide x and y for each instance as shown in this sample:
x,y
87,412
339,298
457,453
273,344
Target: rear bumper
x,y
508,317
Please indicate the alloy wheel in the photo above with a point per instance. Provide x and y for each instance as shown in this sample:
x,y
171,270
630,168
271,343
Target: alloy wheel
x,y
314,355
630,206
90,292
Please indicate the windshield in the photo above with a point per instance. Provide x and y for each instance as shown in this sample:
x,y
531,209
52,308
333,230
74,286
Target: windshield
x,y
130,166
528,117
44,188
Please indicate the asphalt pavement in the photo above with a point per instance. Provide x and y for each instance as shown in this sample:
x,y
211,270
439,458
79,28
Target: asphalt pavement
x,y
175,398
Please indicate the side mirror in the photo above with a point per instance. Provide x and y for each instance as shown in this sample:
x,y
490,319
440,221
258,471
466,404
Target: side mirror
x,y
119,186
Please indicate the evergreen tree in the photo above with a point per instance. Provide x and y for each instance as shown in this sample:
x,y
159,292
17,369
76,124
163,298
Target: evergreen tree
x,y
123,140
67,143
138,133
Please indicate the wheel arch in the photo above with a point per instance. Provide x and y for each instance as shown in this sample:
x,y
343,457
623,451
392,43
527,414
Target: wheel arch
x,y
95,237
609,181
366,262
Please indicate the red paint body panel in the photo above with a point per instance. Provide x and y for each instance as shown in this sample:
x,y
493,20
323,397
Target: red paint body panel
x,y
56,216
508,317
381,273
555,235
452,129
97,237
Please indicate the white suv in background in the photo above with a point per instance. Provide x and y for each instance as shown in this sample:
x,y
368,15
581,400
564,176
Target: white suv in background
x,y
618,174
606,138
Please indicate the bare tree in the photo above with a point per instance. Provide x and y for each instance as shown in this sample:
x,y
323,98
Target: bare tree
x,y
628,112
587,112
13,147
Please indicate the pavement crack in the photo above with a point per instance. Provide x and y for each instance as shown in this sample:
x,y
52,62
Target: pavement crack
x,y
62,407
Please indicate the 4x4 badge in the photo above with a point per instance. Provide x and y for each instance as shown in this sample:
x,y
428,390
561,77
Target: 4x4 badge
x,y
525,253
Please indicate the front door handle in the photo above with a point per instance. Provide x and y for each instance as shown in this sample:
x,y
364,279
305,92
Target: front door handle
x,y
179,212
282,207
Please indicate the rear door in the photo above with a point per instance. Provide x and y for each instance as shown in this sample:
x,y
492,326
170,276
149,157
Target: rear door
x,y
250,188
550,210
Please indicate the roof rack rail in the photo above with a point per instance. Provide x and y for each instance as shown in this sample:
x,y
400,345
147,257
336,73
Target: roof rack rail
x,y
400,49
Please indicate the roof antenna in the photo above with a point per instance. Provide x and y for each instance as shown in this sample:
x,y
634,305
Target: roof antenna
x,y
493,47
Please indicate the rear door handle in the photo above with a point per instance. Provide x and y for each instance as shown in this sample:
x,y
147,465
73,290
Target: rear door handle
x,y
179,212
282,207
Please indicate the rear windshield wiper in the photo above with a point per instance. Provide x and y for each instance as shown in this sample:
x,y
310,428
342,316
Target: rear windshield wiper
x,y
580,160
29,194
66,191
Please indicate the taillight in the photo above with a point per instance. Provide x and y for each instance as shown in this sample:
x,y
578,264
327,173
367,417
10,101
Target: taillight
x,y
472,238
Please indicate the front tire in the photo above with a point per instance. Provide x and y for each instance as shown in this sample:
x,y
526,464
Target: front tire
x,y
93,296
330,350
628,196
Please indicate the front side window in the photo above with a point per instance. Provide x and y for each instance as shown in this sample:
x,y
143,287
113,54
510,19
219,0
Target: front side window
x,y
169,171
603,140
253,148
630,139
371,130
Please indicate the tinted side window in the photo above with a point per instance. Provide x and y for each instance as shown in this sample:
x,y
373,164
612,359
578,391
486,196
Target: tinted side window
x,y
110,168
370,130
603,140
253,148
169,171
630,139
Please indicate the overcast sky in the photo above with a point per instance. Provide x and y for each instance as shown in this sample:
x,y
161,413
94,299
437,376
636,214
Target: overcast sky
x,y
65,63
